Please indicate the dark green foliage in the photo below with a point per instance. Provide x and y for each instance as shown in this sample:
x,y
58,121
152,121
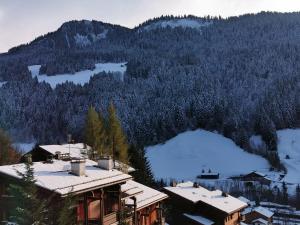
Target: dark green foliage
x,y
67,214
29,208
138,160
8,155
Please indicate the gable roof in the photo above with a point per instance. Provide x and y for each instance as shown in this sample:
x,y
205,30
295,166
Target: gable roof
x,y
264,211
79,150
199,219
147,196
227,204
260,221
76,150
56,176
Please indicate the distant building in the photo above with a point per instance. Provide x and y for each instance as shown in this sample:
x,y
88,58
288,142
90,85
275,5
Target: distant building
x,y
192,204
257,216
101,191
209,175
255,177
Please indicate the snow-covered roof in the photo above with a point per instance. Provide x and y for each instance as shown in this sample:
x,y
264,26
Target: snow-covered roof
x,y
215,198
243,199
264,211
130,189
242,223
56,176
75,150
146,197
259,209
260,221
200,219
257,173
78,150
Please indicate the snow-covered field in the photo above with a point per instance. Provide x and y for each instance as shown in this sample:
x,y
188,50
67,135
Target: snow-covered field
x,y
190,23
187,154
80,77
289,153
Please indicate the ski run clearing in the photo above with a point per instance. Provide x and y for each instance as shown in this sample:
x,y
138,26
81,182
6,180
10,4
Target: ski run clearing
x,y
187,154
81,77
173,23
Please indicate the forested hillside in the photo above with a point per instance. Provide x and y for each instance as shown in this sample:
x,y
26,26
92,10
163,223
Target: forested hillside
x,y
239,76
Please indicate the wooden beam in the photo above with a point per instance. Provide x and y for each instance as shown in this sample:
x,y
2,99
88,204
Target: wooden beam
x,y
86,210
101,206
134,212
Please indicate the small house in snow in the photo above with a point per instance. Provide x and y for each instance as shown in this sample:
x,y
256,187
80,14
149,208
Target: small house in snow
x,y
102,193
256,177
209,175
257,216
193,204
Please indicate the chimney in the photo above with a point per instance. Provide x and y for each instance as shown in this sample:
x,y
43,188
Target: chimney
x,y
224,194
106,163
28,158
58,155
173,183
196,185
78,167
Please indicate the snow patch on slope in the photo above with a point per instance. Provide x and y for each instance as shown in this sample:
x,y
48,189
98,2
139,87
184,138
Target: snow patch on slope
x,y
80,77
84,40
185,23
34,70
289,145
2,83
184,156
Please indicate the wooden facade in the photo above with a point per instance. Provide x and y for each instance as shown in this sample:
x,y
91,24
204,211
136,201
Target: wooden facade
x,y
101,206
179,205
254,215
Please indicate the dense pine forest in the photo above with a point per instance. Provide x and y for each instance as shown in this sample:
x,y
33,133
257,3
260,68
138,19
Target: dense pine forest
x,y
238,76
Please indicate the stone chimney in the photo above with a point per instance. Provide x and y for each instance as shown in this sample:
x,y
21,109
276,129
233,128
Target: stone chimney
x,y
106,163
78,167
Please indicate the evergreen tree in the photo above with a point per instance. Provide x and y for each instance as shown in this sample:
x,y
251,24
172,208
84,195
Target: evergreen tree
x,y
7,154
67,215
138,160
95,135
285,196
117,141
29,209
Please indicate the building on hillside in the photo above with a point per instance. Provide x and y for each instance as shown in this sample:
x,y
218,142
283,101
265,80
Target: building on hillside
x,y
257,216
209,175
192,204
256,177
102,193
44,153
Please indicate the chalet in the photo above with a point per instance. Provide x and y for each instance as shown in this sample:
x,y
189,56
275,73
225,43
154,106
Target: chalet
x,y
43,153
208,175
197,205
65,151
257,216
102,193
256,177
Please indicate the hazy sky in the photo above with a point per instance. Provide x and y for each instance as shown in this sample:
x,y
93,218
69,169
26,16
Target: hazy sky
x,y
23,20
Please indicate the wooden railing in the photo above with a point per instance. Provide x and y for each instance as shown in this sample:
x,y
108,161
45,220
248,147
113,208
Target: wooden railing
x,y
110,218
